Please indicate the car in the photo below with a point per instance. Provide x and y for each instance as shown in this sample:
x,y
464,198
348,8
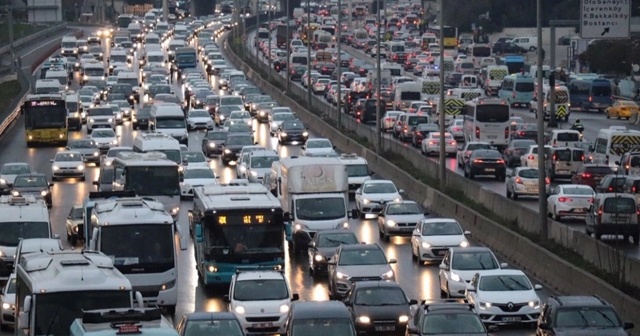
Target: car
x,y
319,147
504,296
431,144
612,183
485,162
292,131
399,218
464,151
446,318
319,318
580,314
194,159
515,150
456,128
8,299
508,47
107,159
87,147
240,116
195,177
432,238
374,194
67,164
570,200
525,131
140,118
199,119
259,165
277,118
323,246
239,127
260,296
75,219
622,109
9,171
125,109
388,120
105,138
357,262
213,142
523,181
232,146
530,157
460,264
243,159
591,174
379,307
34,185
209,324
420,132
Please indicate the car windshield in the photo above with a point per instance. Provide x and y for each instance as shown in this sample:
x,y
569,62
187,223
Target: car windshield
x,y
76,213
472,147
239,115
30,181
576,191
293,125
322,326
260,290
499,283
529,173
228,327
15,169
199,114
441,229
403,209
362,257
68,157
282,116
239,128
316,143
467,261
239,141
452,323
380,296
620,205
114,152
357,170
380,188
199,173
263,161
591,317
336,239
216,136
193,157
105,133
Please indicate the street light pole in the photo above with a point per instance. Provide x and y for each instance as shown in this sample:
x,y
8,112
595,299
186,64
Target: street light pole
x,y
542,199
287,68
269,42
255,44
339,102
442,156
309,53
378,84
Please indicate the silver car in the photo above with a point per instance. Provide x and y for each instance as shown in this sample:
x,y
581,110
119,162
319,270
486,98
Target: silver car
x,y
359,262
523,181
399,218
87,147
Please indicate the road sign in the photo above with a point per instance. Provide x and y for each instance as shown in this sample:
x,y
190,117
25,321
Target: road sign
x,y
605,19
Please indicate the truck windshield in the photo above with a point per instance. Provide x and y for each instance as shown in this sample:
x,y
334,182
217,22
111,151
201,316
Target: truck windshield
x,y
143,248
320,208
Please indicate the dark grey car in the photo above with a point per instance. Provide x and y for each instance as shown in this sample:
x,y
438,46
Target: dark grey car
x,y
88,148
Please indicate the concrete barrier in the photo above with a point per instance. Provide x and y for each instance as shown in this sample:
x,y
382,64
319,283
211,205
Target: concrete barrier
x,y
28,39
520,251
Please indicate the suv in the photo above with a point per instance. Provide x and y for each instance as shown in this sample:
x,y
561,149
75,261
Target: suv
x,y
614,214
612,183
446,318
591,174
261,299
572,315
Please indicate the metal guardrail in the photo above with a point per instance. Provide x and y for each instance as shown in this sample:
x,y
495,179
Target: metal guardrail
x,y
33,37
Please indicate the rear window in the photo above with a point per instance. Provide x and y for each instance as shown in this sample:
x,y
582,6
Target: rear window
x,y
563,155
529,173
578,155
600,91
525,87
568,137
620,205
599,170
418,120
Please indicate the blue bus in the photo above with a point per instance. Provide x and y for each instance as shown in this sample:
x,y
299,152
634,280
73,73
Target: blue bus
x,y
514,63
517,89
590,94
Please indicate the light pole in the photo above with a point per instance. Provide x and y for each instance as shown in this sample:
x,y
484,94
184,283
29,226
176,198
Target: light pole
x,y
10,30
269,41
309,53
287,71
442,156
542,186
378,84
255,44
339,103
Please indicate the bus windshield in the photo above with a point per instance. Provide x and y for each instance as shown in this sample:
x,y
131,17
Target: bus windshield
x,y
124,21
142,248
150,181
12,232
492,113
232,232
39,115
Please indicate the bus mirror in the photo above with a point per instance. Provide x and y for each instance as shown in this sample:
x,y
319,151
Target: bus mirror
x,y
139,300
199,238
23,315
94,239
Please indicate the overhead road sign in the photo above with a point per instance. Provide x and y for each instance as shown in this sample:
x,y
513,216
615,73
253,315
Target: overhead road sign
x,y
605,19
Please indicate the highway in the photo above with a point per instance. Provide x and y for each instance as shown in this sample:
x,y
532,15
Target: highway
x,y
593,122
420,282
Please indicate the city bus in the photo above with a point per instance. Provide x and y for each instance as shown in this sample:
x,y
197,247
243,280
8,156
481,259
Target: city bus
x,y
139,235
307,32
487,120
449,39
45,119
235,226
478,52
124,20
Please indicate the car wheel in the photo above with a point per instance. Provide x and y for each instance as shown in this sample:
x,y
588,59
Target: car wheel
x,y
82,178
471,175
74,240
608,116
532,48
515,196
556,216
508,193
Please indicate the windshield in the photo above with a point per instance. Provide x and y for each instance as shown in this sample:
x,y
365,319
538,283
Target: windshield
x,y
499,283
315,143
529,173
68,157
525,87
325,208
131,81
329,326
492,113
72,106
103,133
452,323
467,261
231,101
216,136
30,182
260,290
568,136
199,114
11,232
114,151
45,114
155,58
380,188
239,141
151,181
193,157
118,59
441,229
227,327
577,191
357,170
620,205
168,122
141,248
82,144
95,112
263,161
239,115
336,239
380,296
410,95
15,169
293,126
362,257
403,209
248,234
204,173
591,317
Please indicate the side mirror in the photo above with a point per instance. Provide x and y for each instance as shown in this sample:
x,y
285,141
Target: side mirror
x,y
106,74
358,191
331,262
543,326
392,261
467,233
199,234
413,302
295,297
312,244
493,328
50,184
618,163
470,288
412,330
371,172
51,160
286,217
504,265
304,147
227,299
401,191
255,143
628,325
23,316
354,213
537,287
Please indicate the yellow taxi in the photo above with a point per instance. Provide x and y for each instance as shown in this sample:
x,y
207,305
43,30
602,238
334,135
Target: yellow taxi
x,y
622,109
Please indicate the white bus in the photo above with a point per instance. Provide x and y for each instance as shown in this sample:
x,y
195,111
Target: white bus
x,y
158,142
149,175
487,120
52,289
138,234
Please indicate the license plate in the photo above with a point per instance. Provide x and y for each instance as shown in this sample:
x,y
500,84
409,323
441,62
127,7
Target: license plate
x,y
385,328
511,319
490,169
578,210
563,171
262,325
619,219
442,253
531,190
492,136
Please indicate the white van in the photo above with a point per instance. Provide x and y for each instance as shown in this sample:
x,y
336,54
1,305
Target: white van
x,y
563,138
527,42
611,143
394,68
74,119
69,46
297,58
155,58
168,118
405,94
47,86
92,71
152,38
131,78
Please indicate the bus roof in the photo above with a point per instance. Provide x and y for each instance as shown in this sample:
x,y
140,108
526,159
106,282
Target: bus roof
x,y
23,208
129,210
235,196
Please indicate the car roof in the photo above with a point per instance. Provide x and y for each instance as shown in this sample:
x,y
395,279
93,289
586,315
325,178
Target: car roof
x,y
319,310
375,284
257,275
501,271
360,247
205,316
470,249
580,301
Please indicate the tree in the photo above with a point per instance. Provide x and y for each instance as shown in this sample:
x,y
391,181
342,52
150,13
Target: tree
x,y
611,56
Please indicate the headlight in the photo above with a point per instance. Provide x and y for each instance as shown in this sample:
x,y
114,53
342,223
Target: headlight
x,y
254,173
388,275
115,142
455,277
534,304
168,285
175,210
398,200
212,145
391,223
6,305
227,151
304,134
341,275
239,310
484,305
364,319
91,120
110,120
318,258
212,269
222,117
284,309
15,193
284,134
403,319
44,193
299,226
55,168
262,113
366,201
464,244
3,181
344,225
80,167
426,245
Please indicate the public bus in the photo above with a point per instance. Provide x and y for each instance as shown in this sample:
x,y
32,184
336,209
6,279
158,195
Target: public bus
x,y
45,119
487,120
478,52
124,20
236,226
307,32
449,39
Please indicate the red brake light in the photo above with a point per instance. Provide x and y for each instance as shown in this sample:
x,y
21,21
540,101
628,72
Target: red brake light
x,y
477,132
518,180
432,142
521,133
531,157
500,161
554,157
587,175
564,199
590,98
547,180
633,189
477,161
452,143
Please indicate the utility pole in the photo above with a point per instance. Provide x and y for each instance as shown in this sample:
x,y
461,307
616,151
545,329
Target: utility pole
x,y
542,198
378,84
287,68
269,41
443,155
255,45
309,53
10,31
339,103
165,10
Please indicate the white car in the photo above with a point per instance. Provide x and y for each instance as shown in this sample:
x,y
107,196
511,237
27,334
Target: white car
x,y
107,159
259,165
260,296
8,298
242,116
431,144
9,171
399,218
570,200
67,164
199,119
459,266
243,159
504,296
125,109
432,238
456,128
530,158
105,138
319,147
462,155
196,177
195,159
523,181
374,194
277,118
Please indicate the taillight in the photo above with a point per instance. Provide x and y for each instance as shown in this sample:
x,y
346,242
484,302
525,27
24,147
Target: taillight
x,y
590,98
633,189
518,180
586,175
521,133
432,142
477,132
600,213
506,132
554,142
554,157
453,143
591,200
531,157
477,161
564,199
611,189
547,180
500,161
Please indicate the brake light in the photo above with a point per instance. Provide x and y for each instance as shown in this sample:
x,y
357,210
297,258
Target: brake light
x,y
590,98
554,157
600,213
633,189
521,133
564,199
518,180
506,132
433,142
477,132
388,119
586,175
500,161
406,127
611,189
582,159
477,161
531,157
547,180
452,143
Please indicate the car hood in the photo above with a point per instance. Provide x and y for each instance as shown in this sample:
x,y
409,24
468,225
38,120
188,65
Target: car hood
x,y
589,332
326,252
319,151
68,164
381,197
364,270
86,151
199,181
452,241
260,171
413,218
293,131
234,148
508,296
201,120
26,190
102,141
467,275
390,312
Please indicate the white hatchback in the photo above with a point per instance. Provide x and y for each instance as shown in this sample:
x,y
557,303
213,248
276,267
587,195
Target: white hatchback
x,y
374,194
431,144
67,164
319,147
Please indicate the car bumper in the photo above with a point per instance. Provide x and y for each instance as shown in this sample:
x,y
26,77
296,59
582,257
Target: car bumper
x,y
488,171
569,210
380,328
228,157
521,189
263,323
8,316
371,208
207,126
68,173
495,315
433,253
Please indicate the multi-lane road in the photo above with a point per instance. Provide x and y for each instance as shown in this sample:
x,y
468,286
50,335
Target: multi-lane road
x,y
593,122
420,282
